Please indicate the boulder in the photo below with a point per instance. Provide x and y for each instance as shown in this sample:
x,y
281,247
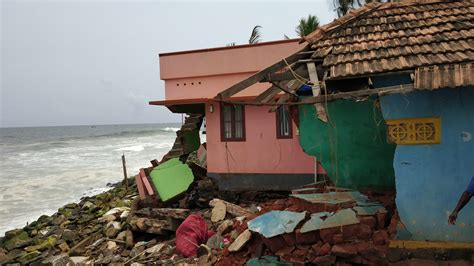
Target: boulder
x,y
16,239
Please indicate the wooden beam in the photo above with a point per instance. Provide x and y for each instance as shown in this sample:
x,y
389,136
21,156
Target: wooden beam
x,y
332,97
293,85
267,95
287,75
242,85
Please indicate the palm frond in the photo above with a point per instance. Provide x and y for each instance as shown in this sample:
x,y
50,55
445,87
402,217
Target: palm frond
x,y
256,35
306,26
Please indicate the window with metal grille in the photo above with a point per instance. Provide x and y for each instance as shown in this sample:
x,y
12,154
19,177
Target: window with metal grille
x,y
232,122
283,121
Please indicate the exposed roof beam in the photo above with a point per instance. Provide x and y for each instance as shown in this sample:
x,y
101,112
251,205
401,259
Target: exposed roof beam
x,y
242,85
287,75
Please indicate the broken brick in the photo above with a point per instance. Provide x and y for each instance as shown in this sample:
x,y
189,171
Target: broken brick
x,y
344,251
375,256
284,250
274,243
365,232
317,246
381,220
362,246
368,220
297,260
290,239
324,250
327,234
380,237
325,260
338,239
306,238
350,231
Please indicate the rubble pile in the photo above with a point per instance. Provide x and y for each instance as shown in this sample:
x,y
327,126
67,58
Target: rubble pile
x,y
313,225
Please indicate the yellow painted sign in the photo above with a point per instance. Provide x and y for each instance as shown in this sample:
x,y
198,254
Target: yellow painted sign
x,y
412,131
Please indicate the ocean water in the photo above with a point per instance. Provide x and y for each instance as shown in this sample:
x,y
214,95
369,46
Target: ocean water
x,y
43,168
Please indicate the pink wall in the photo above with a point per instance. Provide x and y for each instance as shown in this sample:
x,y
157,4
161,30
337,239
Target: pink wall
x,y
262,152
208,72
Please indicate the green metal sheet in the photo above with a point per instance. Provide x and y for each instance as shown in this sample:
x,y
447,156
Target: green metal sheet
x,y
353,146
171,178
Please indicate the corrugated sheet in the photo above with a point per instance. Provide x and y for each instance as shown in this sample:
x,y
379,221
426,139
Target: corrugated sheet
x,y
397,36
444,76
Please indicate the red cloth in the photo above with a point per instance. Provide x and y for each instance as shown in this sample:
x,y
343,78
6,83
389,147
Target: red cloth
x,y
190,234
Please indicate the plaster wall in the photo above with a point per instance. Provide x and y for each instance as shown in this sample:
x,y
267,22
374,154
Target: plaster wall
x,y
431,178
261,152
204,73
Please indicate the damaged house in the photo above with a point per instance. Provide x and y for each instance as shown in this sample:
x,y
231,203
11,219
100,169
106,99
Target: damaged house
x,y
247,147
385,99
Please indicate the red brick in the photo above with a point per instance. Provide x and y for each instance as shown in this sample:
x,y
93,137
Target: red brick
x,y
350,232
375,256
290,239
380,237
284,251
331,207
324,250
325,260
344,251
317,246
327,234
368,220
381,220
365,232
297,260
306,238
363,246
338,239
274,243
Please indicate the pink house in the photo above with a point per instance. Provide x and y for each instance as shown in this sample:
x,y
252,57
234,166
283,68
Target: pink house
x,y
248,147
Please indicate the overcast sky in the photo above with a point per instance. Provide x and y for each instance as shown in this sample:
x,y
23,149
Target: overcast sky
x,y
96,62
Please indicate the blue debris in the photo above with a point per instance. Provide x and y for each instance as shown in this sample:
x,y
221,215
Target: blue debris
x,y
275,223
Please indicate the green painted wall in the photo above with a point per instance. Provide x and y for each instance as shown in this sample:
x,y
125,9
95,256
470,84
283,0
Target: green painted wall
x,y
352,147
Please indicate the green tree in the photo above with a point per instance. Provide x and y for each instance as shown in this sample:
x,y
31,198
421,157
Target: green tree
x,y
343,6
256,35
306,26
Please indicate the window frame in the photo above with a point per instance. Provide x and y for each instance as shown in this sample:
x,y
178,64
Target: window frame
x,y
233,123
278,123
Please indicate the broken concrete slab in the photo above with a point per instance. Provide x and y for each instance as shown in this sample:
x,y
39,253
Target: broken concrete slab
x,y
240,241
218,212
224,227
340,218
275,223
369,210
231,208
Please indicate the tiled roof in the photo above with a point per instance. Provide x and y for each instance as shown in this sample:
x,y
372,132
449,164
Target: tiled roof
x,y
396,36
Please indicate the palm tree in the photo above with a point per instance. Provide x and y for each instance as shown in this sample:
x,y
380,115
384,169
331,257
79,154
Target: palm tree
x,y
255,36
307,26
344,6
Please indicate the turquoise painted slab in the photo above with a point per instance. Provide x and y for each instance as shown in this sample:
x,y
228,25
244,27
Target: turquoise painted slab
x,y
171,178
342,217
332,197
369,210
275,223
